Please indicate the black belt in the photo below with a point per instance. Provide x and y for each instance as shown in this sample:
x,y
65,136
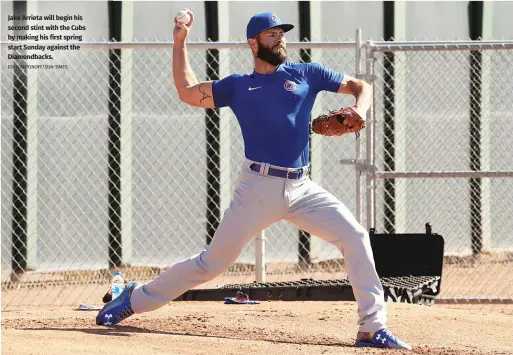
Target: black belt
x,y
287,174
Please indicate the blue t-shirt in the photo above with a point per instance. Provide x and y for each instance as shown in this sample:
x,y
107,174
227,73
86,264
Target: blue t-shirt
x,y
274,110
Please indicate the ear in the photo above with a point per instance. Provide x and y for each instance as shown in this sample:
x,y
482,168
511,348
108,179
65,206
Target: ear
x,y
253,44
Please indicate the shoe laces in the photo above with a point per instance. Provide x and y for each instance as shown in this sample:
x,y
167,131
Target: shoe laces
x,y
389,334
125,313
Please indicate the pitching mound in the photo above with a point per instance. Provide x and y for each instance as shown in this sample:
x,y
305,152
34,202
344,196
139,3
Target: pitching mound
x,y
267,328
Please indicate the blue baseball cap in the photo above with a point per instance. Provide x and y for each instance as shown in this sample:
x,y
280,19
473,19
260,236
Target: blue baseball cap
x,y
264,21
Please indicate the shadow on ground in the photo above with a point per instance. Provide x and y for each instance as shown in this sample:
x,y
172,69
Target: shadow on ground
x,y
126,331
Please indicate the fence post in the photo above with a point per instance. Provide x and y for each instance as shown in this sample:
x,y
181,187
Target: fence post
x,y
370,178
114,151
126,67
475,12
486,129
260,263
358,146
304,238
212,126
316,142
395,119
225,121
389,119
25,170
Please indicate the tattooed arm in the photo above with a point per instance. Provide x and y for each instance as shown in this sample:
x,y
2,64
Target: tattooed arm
x,y
190,90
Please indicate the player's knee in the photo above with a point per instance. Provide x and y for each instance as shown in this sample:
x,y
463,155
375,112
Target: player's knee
x,y
361,238
206,269
202,268
354,237
360,234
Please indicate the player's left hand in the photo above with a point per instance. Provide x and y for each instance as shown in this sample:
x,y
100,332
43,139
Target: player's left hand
x,y
362,113
339,122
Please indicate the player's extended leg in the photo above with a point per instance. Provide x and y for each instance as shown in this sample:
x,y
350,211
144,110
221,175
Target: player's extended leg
x,y
257,203
316,211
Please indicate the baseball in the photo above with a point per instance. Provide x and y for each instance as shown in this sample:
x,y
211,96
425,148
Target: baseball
x,y
182,17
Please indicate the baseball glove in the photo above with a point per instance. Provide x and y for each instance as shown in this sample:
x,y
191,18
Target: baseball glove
x,y
338,123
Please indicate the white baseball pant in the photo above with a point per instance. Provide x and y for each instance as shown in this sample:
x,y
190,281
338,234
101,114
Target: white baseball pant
x,y
259,201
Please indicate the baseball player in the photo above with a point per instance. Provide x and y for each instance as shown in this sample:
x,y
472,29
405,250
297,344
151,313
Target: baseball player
x,y
273,106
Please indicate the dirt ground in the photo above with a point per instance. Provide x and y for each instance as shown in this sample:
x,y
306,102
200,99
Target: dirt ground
x,y
271,327
44,320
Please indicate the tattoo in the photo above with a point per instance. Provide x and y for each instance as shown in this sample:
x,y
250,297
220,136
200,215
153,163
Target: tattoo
x,y
204,93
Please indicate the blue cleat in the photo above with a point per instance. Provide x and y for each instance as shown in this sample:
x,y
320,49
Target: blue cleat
x,y
118,309
380,339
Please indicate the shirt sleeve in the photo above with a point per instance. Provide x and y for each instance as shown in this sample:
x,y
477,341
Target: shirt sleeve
x,y
223,90
324,78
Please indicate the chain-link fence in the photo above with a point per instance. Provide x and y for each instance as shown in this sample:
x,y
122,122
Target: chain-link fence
x,y
443,125
103,167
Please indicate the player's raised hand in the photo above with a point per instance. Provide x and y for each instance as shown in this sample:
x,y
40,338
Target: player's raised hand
x,y
183,24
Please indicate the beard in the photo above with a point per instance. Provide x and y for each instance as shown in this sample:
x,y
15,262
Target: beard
x,y
267,55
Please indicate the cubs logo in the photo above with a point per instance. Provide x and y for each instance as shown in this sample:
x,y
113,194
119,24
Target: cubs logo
x,y
290,85
274,19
